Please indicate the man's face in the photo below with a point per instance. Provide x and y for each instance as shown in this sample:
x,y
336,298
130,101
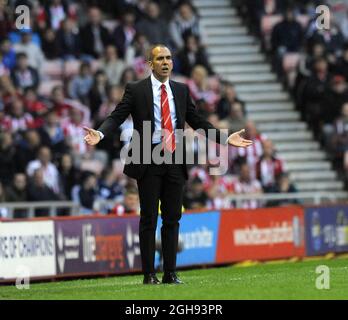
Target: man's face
x,y
153,10
20,181
132,201
268,148
94,16
45,155
23,63
161,64
245,173
185,12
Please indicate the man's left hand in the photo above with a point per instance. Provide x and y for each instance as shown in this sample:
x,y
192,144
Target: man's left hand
x,y
237,140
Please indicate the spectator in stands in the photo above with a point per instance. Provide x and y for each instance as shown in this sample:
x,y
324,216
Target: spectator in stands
x,y
7,157
18,192
6,85
23,75
308,58
227,100
250,155
286,37
236,120
68,39
112,65
98,93
49,45
114,96
18,120
185,21
56,11
124,33
195,197
94,36
130,205
258,8
38,190
205,98
27,149
109,187
315,94
269,167
74,133
3,210
342,64
339,141
283,185
136,55
88,193
192,54
219,191
34,105
5,21
34,53
246,184
69,174
52,134
49,169
331,38
62,105
338,95
8,54
155,29
128,75
81,84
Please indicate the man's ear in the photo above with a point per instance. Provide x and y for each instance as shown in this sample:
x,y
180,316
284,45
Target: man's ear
x,y
150,64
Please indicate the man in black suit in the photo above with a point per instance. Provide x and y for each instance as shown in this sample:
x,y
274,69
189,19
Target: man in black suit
x,y
167,105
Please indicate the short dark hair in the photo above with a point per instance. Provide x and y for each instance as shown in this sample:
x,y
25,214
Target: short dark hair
x,y
149,55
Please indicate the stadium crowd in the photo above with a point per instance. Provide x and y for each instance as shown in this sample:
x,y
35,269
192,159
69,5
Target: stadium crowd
x,y
69,69
312,62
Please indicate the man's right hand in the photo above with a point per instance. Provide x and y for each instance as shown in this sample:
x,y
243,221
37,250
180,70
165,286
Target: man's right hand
x,y
92,137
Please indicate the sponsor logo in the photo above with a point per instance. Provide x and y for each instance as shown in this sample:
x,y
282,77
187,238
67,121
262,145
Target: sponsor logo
x,y
199,238
253,235
68,249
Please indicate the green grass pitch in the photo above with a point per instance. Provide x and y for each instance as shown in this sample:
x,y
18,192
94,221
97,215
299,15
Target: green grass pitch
x,y
288,280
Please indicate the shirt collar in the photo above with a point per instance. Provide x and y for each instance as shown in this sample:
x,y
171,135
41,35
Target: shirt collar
x,y
157,84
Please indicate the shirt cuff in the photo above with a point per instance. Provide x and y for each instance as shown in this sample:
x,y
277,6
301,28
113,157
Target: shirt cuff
x,y
101,134
226,142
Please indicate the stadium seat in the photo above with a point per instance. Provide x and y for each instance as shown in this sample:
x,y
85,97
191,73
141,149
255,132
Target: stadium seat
x,y
71,68
46,87
53,69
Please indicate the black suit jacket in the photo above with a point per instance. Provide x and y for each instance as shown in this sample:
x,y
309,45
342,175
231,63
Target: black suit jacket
x,y
138,101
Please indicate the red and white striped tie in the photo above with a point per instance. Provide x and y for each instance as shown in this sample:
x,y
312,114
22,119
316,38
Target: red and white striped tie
x,y
169,136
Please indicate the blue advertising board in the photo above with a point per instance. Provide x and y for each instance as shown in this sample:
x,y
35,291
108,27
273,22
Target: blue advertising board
x,y
198,235
326,230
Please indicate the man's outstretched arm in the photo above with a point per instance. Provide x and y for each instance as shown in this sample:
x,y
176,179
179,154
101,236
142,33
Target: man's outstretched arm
x,y
113,121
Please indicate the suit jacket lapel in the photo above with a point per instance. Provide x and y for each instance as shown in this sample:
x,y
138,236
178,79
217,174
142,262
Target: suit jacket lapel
x,y
176,102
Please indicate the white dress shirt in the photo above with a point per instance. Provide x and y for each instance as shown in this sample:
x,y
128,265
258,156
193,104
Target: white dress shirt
x,y
156,91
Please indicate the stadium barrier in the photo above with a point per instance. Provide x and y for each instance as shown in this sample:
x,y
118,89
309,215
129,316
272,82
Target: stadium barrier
x,y
52,207
61,247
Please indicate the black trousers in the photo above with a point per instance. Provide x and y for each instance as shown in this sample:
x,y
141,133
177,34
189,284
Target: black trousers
x,y
164,182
